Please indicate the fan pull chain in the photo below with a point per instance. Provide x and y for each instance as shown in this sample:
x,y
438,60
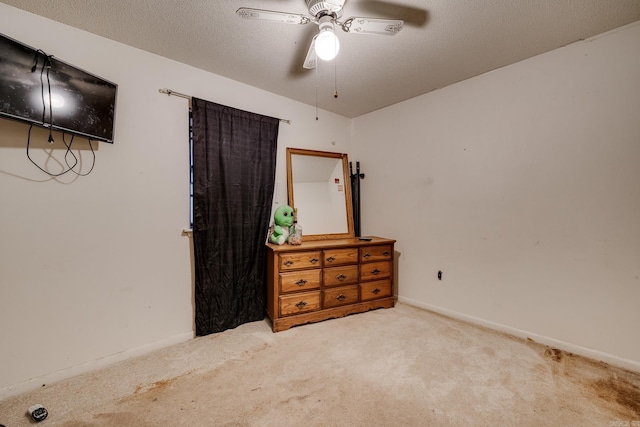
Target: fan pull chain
x,y
335,69
335,75
316,72
335,78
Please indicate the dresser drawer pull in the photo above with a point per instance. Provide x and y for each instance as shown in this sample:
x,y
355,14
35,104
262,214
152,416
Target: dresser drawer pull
x,y
313,260
366,255
288,263
376,271
386,253
301,304
331,259
341,277
341,297
376,291
301,282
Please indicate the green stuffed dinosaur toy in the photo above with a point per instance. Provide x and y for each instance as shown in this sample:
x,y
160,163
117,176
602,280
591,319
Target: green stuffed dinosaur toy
x,y
282,219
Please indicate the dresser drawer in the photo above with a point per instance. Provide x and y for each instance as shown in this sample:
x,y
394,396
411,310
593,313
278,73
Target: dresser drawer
x,y
298,260
340,256
373,290
299,303
343,295
375,253
302,280
345,275
375,270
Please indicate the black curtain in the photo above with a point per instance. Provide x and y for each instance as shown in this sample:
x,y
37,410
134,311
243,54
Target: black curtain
x,y
234,161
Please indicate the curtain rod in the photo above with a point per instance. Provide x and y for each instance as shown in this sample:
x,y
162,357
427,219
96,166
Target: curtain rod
x,y
182,95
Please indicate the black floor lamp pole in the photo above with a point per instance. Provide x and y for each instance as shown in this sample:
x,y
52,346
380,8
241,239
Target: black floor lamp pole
x,y
355,196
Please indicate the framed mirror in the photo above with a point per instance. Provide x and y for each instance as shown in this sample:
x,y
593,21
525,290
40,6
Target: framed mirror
x,y
319,189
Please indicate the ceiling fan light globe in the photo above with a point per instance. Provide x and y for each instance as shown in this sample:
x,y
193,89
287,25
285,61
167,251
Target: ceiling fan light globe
x,y
327,45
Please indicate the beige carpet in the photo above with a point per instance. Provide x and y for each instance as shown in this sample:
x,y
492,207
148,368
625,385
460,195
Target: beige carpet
x,y
398,367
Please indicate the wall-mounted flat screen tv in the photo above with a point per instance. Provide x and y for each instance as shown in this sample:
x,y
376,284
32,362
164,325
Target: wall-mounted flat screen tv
x,y
43,90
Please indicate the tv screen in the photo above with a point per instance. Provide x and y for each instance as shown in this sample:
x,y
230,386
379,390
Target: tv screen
x,y
40,89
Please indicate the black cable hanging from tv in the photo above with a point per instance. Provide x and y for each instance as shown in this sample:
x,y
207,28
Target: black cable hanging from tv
x,y
46,64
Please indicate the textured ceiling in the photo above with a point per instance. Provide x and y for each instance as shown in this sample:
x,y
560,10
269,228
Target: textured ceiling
x,y
443,42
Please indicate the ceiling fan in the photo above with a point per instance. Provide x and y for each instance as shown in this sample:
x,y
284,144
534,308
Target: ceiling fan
x,y
326,14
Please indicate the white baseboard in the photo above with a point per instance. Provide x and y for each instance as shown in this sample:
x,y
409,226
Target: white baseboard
x,y
34,383
551,342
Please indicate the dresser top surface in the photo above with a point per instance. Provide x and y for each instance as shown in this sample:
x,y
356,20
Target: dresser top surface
x,y
330,244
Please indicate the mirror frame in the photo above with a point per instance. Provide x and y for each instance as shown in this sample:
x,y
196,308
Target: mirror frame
x,y
347,191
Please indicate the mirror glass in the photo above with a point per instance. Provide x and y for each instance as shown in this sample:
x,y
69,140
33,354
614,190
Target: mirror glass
x,y
319,189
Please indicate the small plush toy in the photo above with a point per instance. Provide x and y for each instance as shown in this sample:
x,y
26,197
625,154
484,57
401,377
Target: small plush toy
x,y
282,220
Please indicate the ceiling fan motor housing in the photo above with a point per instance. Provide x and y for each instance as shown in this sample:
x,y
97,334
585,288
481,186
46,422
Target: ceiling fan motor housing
x,y
319,8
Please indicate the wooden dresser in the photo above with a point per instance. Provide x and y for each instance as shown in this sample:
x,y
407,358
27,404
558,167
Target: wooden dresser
x,y
324,279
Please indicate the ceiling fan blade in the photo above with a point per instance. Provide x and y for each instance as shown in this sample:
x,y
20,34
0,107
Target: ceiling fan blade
x,y
412,16
272,16
311,60
338,4
373,26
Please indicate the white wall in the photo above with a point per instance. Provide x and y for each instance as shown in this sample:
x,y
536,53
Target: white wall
x,y
95,269
523,186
